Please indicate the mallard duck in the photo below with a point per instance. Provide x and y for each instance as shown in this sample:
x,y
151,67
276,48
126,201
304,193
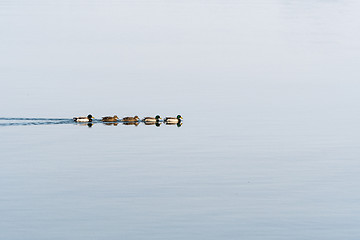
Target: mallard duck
x,y
110,119
130,119
89,118
152,119
173,119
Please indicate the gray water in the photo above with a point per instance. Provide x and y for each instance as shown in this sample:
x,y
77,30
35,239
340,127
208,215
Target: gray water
x,y
268,149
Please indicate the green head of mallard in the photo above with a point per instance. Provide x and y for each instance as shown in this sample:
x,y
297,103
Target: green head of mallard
x,y
179,117
90,117
157,117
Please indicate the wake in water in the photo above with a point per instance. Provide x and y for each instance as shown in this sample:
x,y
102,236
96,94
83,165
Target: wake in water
x,y
33,121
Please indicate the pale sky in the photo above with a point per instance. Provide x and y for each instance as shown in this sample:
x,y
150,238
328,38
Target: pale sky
x,y
66,58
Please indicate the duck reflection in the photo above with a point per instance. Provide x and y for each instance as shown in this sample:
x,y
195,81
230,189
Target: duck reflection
x,y
131,123
158,124
85,124
179,124
110,123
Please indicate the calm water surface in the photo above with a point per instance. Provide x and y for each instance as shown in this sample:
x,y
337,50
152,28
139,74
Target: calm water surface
x,y
269,144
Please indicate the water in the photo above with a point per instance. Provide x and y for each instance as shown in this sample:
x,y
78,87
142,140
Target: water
x,y
268,148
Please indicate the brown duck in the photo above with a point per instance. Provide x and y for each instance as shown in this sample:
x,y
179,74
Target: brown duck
x,y
130,119
110,119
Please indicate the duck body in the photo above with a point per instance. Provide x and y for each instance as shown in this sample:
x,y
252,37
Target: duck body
x,y
89,118
110,119
152,119
173,119
131,119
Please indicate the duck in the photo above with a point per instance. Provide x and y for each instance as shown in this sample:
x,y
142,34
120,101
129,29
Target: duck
x,y
130,119
110,119
173,119
89,118
152,119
